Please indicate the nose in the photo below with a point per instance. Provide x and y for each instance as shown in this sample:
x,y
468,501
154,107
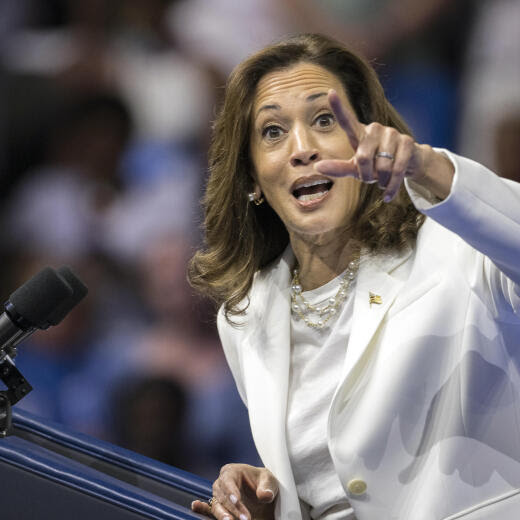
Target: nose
x,y
304,149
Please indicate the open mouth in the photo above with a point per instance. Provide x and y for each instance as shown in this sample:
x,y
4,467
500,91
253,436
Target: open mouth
x,y
312,190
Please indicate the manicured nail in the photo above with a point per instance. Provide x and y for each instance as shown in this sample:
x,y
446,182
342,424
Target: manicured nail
x,y
233,499
387,198
226,518
243,517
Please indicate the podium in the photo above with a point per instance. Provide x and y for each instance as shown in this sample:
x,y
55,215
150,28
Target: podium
x,y
47,472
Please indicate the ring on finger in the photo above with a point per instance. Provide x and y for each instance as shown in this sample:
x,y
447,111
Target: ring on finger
x,y
212,501
386,155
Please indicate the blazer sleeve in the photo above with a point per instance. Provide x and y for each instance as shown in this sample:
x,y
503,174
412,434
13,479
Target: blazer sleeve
x,y
484,210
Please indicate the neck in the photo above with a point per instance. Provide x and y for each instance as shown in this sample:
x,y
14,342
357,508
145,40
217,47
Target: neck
x,y
322,257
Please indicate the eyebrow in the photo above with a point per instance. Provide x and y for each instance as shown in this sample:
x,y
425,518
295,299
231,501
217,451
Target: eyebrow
x,y
308,99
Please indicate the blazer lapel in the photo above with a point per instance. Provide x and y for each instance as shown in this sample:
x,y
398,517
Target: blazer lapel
x,y
376,289
267,366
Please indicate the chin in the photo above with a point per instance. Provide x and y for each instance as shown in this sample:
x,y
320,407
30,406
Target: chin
x,y
318,227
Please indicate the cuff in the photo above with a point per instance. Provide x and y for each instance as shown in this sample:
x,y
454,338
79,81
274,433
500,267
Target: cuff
x,y
422,198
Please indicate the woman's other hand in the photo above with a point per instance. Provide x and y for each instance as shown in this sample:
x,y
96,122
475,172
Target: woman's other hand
x,y
241,492
383,155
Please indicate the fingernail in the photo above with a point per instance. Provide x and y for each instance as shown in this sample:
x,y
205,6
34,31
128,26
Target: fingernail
x,y
226,518
387,198
233,499
243,517
192,504
269,491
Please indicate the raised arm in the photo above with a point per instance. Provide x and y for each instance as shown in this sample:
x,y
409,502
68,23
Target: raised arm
x,y
460,194
384,155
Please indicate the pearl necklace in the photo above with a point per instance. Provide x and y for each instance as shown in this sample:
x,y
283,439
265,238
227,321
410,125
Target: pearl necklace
x,y
303,309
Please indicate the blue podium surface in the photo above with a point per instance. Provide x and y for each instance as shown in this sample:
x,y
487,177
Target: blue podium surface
x,y
49,472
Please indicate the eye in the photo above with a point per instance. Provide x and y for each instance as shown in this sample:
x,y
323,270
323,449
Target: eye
x,y
324,120
272,132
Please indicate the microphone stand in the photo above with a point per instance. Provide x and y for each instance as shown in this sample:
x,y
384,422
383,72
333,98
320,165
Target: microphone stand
x,y
54,294
17,388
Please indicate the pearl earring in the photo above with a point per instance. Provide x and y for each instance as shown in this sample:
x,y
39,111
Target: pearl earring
x,y
252,198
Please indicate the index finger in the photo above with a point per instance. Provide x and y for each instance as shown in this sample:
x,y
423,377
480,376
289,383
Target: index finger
x,y
346,119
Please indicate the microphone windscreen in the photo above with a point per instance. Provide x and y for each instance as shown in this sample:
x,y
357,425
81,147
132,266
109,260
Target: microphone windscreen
x,y
40,296
79,291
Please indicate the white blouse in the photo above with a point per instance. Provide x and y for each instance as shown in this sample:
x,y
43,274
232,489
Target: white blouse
x,y
317,357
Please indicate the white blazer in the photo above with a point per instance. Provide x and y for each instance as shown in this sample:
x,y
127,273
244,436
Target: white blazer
x,y
426,415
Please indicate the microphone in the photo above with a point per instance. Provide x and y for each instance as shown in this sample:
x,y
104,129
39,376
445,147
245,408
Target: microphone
x,y
42,301
79,291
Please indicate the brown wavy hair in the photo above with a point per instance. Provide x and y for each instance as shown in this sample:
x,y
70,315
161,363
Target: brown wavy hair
x,y
241,238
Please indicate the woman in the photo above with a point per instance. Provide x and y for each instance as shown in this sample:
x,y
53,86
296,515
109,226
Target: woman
x,y
369,301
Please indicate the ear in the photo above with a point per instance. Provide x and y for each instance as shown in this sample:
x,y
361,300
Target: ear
x,y
258,191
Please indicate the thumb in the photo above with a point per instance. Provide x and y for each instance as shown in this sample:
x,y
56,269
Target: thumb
x,y
267,487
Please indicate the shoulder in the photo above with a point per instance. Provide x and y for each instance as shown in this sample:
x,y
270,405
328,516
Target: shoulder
x,y
271,279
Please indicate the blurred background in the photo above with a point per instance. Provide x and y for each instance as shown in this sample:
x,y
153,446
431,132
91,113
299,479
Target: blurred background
x,y
106,108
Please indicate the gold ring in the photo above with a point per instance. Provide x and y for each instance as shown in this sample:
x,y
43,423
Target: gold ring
x,y
212,501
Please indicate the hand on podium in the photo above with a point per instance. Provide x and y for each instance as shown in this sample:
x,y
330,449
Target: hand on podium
x,y
241,492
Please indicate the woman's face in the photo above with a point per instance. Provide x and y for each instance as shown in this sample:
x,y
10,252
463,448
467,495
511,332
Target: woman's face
x,y
293,128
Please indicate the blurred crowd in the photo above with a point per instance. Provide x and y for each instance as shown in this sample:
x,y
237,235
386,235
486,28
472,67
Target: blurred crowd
x,y
106,115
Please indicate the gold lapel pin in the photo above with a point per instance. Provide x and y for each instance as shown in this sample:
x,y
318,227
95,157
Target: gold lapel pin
x,y
374,298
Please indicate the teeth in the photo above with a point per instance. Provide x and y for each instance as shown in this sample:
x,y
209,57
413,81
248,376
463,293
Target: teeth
x,y
311,196
313,183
